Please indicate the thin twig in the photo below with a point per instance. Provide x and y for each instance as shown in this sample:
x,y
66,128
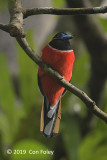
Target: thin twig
x,y
63,11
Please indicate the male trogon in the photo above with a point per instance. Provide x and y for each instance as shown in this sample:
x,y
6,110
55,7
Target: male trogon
x,y
60,56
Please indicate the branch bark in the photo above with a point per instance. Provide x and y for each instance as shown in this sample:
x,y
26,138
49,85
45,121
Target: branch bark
x,y
64,11
16,30
16,18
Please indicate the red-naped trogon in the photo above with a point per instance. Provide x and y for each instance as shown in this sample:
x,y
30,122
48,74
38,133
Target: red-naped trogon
x,y
60,56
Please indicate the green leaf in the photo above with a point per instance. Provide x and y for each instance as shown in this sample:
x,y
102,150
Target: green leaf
x,y
81,70
10,111
71,136
4,128
93,147
103,23
3,4
30,150
7,94
28,76
101,153
58,3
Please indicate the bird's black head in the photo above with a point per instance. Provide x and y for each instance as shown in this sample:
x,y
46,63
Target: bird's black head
x,y
61,41
62,36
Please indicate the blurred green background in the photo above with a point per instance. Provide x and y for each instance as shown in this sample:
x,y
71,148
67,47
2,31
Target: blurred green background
x,y
82,136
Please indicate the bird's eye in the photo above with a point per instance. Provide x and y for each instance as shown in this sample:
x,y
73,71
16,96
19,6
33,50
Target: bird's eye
x,y
63,35
58,36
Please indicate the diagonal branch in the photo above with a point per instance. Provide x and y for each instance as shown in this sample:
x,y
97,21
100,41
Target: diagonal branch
x,y
16,30
61,81
63,11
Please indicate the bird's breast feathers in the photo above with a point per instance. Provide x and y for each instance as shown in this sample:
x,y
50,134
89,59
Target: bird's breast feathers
x,y
60,60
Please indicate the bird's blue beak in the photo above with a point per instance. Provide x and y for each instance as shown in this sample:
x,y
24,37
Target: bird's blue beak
x,y
67,36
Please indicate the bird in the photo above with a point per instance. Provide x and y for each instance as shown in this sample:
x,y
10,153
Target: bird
x,y
59,55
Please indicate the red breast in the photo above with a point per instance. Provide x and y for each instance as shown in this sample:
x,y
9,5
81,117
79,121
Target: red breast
x,y
61,61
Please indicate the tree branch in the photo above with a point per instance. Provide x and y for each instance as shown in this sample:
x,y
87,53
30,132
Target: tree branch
x,y
61,81
16,18
16,30
64,11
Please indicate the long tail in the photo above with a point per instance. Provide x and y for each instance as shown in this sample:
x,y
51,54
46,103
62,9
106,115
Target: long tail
x,y
50,118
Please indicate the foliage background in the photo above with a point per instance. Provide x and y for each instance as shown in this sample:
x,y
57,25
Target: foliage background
x,y
81,136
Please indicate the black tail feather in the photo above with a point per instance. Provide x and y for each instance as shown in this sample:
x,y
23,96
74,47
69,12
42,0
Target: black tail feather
x,y
49,116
